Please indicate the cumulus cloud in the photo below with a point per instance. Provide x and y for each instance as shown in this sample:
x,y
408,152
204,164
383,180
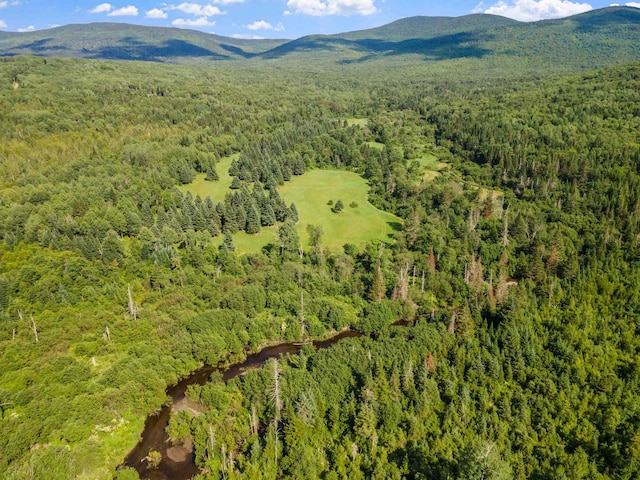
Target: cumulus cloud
x,y
128,11
633,4
198,22
30,28
198,9
244,36
532,10
102,8
156,13
333,7
227,2
3,24
262,25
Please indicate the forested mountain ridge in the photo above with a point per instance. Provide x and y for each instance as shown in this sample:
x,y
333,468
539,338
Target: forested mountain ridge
x,y
590,40
121,41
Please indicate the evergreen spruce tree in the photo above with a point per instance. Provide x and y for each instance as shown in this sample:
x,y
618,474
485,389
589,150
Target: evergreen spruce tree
x,y
253,221
236,183
227,243
212,174
293,213
267,215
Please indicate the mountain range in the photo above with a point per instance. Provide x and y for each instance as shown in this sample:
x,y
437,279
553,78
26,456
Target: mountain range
x,y
593,39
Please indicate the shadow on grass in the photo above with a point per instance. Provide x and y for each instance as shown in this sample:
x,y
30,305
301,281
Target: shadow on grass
x,y
397,226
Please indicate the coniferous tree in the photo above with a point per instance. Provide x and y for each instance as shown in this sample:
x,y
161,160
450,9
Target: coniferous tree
x,y
253,221
227,243
293,213
212,174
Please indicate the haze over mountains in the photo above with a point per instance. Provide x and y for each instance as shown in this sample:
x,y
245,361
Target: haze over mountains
x,y
593,39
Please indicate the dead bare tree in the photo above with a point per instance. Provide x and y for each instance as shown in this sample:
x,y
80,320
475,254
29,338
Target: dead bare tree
x,y
403,282
133,308
275,396
505,228
34,329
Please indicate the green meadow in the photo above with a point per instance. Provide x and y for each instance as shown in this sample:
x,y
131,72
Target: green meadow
x,y
311,194
216,190
431,166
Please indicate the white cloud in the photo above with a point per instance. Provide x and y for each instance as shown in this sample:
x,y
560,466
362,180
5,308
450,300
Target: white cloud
x,y
479,8
102,8
244,36
333,7
3,24
198,9
633,4
3,4
227,2
532,10
262,25
30,28
128,11
198,22
156,13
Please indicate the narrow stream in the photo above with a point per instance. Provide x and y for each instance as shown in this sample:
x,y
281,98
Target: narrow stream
x,y
178,460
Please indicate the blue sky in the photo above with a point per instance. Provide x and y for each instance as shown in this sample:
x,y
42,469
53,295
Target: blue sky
x,y
272,18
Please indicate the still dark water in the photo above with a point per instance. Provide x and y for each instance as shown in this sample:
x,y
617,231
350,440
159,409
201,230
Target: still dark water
x,y
154,436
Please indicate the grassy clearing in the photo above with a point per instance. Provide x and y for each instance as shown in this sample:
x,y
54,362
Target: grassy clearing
x,y
216,190
431,166
361,122
312,191
376,145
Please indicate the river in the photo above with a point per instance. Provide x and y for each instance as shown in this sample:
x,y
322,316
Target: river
x,y
178,459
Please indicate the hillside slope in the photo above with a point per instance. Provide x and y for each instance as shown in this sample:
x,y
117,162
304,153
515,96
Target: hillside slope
x,y
119,41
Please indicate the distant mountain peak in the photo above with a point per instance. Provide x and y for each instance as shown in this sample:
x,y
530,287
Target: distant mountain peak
x,y
589,40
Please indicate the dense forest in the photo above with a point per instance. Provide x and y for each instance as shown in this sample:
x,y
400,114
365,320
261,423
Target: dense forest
x,y
516,269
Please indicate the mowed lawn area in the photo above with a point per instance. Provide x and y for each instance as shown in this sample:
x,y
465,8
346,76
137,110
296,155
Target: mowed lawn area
x,y
216,190
311,193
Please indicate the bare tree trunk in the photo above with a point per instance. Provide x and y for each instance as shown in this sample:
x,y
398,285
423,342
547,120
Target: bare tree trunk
x,y
277,404
34,329
107,333
133,309
452,323
505,228
210,443
403,282
254,420
302,324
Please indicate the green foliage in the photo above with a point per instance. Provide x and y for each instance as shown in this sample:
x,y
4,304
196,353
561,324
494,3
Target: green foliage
x,y
518,267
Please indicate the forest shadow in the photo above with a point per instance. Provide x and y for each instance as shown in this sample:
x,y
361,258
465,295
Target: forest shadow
x,y
136,50
593,22
397,226
39,46
237,51
446,47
